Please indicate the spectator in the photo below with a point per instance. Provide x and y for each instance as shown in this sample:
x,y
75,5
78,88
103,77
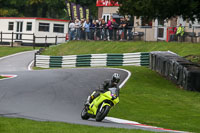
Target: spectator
x,y
115,28
103,30
110,29
82,29
71,30
97,30
121,33
180,32
78,30
92,30
129,27
87,30
173,33
125,27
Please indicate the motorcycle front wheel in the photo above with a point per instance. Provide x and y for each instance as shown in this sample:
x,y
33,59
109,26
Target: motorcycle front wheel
x,y
103,113
84,114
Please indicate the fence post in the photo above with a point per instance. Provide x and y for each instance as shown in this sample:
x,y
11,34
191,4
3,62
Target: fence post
x,y
33,41
12,39
145,33
193,34
45,41
1,36
35,59
56,39
157,33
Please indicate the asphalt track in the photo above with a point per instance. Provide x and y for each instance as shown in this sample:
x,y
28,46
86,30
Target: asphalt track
x,y
51,95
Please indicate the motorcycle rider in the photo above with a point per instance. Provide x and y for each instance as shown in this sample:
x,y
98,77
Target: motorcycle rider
x,y
109,83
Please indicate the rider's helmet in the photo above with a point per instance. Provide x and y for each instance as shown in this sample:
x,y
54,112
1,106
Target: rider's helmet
x,y
115,78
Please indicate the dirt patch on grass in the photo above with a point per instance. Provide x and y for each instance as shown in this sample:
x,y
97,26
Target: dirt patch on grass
x,y
193,58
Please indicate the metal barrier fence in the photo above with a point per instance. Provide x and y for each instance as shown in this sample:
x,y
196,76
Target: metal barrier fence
x,y
32,39
93,60
144,33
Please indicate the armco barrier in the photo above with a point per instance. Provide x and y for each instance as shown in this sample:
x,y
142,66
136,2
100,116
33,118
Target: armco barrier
x,y
93,60
177,69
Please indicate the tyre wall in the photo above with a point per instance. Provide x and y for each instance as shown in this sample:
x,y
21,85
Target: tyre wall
x,y
177,69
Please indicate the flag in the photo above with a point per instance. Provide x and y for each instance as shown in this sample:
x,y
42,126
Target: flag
x,y
78,11
87,11
73,11
81,12
68,9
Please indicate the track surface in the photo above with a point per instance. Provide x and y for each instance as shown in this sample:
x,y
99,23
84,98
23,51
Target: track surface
x,y
51,95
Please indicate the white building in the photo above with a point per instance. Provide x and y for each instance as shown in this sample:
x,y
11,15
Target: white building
x,y
25,28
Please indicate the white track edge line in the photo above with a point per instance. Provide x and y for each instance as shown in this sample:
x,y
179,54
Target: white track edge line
x,y
29,66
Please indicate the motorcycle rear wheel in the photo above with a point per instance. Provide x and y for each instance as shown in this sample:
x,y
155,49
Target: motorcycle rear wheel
x,y
84,114
101,115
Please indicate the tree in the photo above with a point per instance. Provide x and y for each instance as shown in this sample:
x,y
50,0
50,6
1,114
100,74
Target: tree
x,y
161,9
41,8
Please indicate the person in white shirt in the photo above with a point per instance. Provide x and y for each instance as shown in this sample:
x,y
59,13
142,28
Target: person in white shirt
x,y
77,28
71,30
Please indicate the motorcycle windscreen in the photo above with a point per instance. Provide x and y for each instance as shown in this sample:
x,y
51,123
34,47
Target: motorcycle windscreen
x,y
113,91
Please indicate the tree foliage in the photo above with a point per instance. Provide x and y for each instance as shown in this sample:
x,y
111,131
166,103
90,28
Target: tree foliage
x,y
161,9
40,8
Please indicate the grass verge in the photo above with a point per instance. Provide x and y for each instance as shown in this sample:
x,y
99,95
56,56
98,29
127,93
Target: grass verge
x,y
13,125
92,47
4,51
150,99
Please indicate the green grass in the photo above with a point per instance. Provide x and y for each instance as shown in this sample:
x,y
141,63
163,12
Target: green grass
x,y
150,99
92,47
1,77
147,97
4,51
13,125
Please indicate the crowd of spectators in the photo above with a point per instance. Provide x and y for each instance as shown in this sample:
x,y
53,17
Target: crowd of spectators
x,y
100,30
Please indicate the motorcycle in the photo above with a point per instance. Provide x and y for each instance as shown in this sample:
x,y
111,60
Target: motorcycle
x,y
101,105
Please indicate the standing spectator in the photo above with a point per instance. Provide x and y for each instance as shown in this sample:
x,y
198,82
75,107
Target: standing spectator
x,y
125,28
110,29
78,30
71,30
97,30
115,28
92,30
103,30
180,32
130,26
87,30
82,29
121,33
100,21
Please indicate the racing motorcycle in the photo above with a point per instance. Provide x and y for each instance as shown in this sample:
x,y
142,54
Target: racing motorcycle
x,y
101,105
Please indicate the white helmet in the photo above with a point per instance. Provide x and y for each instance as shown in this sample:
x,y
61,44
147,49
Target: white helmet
x,y
116,78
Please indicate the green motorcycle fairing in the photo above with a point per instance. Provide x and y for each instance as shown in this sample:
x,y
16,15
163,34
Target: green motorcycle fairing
x,y
100,99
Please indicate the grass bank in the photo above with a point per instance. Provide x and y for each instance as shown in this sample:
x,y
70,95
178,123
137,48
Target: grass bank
x,y
92,47
150,99
4,50
12,125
